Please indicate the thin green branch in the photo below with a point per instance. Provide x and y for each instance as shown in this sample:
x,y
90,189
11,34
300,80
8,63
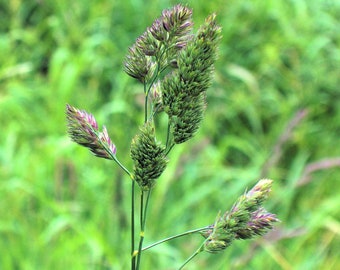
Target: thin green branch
x,y
168,135
146,92
199,250
155,111
154,78
175,236
114,157
169,140
169,149
123,167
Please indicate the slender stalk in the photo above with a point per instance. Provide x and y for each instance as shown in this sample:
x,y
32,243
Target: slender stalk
x,y
156,74
169,141
169,149
108,151
175,236
143,222
168,136
146,92
122,166
199,250
133,257
141,209
141,234
154,111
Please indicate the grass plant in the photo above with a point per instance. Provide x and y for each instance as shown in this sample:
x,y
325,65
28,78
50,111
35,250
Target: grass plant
x,y
273,111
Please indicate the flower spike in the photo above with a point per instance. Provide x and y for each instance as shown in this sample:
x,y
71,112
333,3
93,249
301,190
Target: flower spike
x,y
246,219
83,129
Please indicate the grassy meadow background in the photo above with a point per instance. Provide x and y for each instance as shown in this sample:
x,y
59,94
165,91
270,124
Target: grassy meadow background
x,y
273,112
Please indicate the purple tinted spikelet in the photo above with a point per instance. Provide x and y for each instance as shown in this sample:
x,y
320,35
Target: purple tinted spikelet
x,y
83,129
173,27
104,137
137,64
177,22
159,44
260,222
157,30
147,44
254,198
246,219
82,126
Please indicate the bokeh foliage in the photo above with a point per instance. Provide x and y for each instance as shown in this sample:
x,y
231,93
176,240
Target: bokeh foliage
x,y
273,111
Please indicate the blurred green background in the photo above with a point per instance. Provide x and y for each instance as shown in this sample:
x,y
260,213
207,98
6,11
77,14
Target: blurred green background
x,y
273,111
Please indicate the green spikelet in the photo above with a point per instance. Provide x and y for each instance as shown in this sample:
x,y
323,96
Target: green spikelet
x,y
184,90
246,219
189,118
148,156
